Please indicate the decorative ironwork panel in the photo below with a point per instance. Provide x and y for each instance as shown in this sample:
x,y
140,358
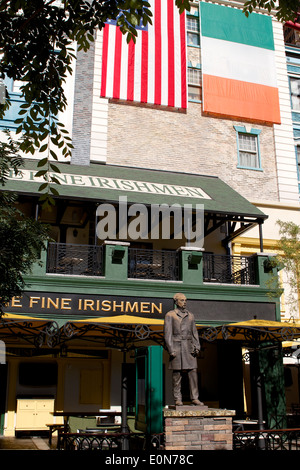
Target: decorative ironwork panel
x,y
87,441
83,260
274,439
153,264
108,441
228,269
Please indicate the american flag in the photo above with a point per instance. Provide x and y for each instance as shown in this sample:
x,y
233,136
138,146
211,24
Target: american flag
x,y
152,70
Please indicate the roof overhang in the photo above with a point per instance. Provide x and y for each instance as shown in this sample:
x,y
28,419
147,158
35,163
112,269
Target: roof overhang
x,y
108,183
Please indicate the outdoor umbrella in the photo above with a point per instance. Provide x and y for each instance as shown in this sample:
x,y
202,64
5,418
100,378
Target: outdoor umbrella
x,y
253,331
33,330
254,334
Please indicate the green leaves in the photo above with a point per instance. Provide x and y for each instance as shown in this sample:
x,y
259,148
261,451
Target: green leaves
x,y
183,5
10,159
285,10
288,249
132,13
21,242
37,47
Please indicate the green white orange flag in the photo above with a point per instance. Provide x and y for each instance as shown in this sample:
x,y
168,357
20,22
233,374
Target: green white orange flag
x,y
238,64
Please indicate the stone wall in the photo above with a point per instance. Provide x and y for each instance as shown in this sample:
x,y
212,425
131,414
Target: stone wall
x,y
208,429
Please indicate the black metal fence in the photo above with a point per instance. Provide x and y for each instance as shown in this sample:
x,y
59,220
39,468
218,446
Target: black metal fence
x,y
108,441
153,264
268,440
228,269
271,439
88,260
83,260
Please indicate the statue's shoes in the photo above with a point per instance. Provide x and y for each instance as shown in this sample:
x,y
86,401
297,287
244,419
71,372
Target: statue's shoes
x,y
178,403
197,402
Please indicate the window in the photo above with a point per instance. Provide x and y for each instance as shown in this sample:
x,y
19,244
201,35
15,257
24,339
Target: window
x,y
193,31
194,83
13,89
248,148
298,162
194,68
295,93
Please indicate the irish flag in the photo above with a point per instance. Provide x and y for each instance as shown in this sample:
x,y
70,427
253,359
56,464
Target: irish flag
x,y
238,64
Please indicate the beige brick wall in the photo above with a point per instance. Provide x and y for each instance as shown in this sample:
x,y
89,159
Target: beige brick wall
x,y
151,138
198,433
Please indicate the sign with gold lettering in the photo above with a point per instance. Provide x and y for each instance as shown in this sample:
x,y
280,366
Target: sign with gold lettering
x,y
88,305
61,305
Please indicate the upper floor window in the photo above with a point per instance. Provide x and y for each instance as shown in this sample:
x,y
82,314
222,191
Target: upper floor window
x,y
193,30
194,67
295,93
248,148
194,83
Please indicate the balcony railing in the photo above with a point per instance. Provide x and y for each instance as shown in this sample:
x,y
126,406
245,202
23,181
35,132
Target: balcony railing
x,y
153,264
164,265
228,269
82,260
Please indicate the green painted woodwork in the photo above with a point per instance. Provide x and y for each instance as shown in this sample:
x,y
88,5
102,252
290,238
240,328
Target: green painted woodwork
x,y
116,262
191,267
272,372
39,268
149,389
264,269
115,283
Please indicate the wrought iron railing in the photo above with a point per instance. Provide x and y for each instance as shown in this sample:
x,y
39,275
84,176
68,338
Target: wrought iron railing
x,y
88,260
84,260
228,269
271,439
88,441
153,264
108,441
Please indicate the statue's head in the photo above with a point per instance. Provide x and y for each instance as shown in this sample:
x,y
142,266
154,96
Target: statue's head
x,y
180,300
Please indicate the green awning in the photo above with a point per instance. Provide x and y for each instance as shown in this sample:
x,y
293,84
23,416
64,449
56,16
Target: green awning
x,y
108,182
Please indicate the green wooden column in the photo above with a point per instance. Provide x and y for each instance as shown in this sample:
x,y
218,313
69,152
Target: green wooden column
x,y
39,268
265,268
191,266
116,260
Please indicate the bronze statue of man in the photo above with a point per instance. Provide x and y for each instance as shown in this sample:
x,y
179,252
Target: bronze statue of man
x,y
183,345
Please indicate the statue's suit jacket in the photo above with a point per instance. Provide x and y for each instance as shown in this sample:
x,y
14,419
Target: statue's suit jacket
x,y
181,338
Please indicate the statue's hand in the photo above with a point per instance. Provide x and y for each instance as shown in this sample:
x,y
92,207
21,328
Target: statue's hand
x,y
173,354
196,352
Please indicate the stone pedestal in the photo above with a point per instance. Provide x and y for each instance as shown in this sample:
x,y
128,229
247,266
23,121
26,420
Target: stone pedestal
x,y
197,428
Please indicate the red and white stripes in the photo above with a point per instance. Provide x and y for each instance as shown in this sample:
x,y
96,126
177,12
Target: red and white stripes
x,y
152,70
